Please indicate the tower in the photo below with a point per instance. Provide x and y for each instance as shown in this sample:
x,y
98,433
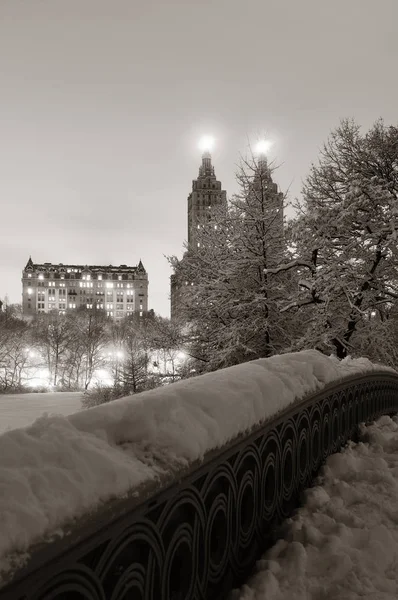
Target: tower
x,y
206,193
265,198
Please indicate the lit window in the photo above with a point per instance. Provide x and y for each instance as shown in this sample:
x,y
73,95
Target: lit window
x,y
41,276
29,274
120,277
109,284
88,277
100,277
30,291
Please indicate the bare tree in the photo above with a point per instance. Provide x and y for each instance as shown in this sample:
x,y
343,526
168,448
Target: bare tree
x,y
230,299
346,239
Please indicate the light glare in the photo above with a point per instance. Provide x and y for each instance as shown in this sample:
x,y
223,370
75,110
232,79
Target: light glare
x,y
263,146
206,143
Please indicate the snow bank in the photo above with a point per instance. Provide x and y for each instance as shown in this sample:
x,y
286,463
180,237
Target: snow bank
x,y
343,544
63,467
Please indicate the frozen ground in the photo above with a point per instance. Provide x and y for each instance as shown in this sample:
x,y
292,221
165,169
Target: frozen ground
x,y
343,544
60,468
20,410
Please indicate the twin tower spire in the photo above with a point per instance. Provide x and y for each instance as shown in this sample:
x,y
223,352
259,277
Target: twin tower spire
x,y
206,193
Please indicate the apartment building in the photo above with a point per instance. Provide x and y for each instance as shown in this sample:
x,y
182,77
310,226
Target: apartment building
x,y
118,291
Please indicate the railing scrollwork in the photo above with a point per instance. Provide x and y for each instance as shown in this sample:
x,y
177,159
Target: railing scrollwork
x,y
201,535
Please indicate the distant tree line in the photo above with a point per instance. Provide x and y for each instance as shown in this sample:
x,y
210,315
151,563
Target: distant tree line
x,y
86,349
331,283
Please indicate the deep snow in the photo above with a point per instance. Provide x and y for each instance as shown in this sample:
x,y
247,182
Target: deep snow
x,y
60,467
343,543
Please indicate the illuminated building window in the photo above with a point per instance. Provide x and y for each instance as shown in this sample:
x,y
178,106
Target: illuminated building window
x,y
29,274
99,277
30,291
109,284
41,276
120,277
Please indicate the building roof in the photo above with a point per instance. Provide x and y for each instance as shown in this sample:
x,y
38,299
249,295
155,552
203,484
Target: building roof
x,y
31,266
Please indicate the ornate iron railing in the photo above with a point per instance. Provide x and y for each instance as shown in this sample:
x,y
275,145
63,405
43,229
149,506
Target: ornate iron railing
x,y
201,534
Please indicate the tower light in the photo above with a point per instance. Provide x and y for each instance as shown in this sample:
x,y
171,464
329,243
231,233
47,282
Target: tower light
x,y
263,146
206,143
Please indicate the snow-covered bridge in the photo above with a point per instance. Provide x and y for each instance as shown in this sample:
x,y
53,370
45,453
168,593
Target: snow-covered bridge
x,y
175,493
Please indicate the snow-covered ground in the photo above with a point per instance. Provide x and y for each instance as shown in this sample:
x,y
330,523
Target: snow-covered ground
x,y
61,467
20,410
343,544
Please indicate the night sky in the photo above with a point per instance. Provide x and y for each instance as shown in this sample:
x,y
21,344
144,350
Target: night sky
x,y
103,103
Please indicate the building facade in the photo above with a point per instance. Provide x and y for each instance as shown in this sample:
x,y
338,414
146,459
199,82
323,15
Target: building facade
x,y
206,193
118,291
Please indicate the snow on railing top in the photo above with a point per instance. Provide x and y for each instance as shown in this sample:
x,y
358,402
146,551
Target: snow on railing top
x,y
61,468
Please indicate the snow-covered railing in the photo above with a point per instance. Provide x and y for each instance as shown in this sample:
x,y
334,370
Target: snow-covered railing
x,y
175,493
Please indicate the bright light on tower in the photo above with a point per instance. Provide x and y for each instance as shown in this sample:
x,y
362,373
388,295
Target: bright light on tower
x,y
263,146
206,144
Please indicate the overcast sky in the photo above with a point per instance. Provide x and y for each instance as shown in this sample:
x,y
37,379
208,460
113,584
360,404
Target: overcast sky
x,y
103,103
